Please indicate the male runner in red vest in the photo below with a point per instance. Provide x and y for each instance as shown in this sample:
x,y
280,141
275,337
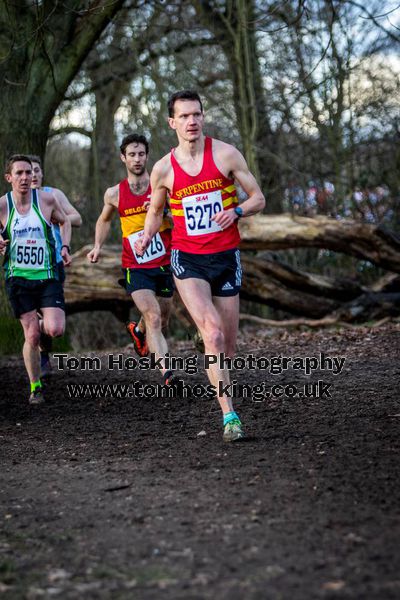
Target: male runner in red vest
x,y
199,175
148,278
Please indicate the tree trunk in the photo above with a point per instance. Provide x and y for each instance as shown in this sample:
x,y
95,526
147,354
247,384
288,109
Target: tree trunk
x,y
234,26
366,242
43,45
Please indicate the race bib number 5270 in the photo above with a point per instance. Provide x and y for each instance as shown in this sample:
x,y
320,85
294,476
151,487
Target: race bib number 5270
x,y
199,211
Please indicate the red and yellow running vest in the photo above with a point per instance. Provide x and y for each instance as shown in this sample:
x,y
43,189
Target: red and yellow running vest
x,y
132,213
195,200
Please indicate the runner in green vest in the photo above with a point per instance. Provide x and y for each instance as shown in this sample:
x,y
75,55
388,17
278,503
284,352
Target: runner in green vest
x,y
76,221
32,284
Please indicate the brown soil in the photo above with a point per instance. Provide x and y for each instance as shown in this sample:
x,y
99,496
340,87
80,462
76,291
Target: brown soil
x,y
121,498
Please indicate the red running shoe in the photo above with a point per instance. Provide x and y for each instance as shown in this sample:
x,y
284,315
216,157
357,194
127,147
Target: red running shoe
x,y
138,338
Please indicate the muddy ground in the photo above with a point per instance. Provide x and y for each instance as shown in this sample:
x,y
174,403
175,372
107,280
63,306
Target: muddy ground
x,y
121,498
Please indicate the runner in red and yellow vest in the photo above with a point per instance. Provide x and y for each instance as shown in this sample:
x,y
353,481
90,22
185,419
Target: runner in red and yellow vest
x,y
147,277
194,200
199,177
132,211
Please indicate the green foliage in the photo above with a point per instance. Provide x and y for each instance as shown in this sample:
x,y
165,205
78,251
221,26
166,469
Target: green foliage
x,y
7,571
11,335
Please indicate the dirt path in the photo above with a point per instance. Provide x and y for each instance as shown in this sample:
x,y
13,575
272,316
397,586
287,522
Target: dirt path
x,y
120,497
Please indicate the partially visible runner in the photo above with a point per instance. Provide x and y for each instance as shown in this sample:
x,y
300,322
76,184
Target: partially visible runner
x,y
148,278
76,221
32,284
199,176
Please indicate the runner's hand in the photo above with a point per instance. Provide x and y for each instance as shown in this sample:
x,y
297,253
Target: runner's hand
x,y
225,218
3,245
93,255
142,244
66,256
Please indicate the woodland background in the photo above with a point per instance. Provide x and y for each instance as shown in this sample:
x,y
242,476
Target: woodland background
x,y
307,89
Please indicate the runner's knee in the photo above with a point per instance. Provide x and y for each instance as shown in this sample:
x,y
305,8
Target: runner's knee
x,y
32,336
214,338
55,330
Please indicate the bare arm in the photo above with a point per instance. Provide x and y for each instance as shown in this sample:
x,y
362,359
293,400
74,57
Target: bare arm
x,y
155,211
71,212
103,223
3,243
232,159
59,217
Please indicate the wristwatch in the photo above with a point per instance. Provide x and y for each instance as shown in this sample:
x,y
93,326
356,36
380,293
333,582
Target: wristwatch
x,y
238,212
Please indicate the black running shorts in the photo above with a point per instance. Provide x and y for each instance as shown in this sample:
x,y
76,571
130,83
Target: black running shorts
x,y
158,279
222,270
26,295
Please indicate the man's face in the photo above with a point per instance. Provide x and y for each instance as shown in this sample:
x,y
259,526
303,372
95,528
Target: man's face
x,y
20,177
37,176
135,158
188,120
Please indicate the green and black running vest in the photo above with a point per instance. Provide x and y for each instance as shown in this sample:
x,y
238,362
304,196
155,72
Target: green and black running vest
x,y
31,252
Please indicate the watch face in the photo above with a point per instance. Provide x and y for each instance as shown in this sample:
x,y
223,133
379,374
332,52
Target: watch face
x,y
239,211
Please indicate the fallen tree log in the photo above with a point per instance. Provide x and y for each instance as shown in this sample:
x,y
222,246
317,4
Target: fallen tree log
x,y
278,232
257,287
311,323
369,306
95,287
390,282
267,265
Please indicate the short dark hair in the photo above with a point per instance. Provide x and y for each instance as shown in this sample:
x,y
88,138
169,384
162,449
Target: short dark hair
x,y
133,138
13,159
35,158
183,95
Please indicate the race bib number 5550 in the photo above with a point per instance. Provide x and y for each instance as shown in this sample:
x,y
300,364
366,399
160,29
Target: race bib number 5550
x,y
30,254
155,250
199,210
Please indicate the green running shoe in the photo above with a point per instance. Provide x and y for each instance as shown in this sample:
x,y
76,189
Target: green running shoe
x,y
36,397
233,431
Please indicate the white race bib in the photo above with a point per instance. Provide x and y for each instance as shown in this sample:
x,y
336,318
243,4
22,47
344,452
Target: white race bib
x,y
199,210
155,250
30,254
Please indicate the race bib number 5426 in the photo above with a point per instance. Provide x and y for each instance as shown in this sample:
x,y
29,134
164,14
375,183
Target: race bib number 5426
x,y
199,211
155,250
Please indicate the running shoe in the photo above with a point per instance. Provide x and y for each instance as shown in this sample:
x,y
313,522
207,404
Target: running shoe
x,y
139,339
233,431
170,378
45,365
36,397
